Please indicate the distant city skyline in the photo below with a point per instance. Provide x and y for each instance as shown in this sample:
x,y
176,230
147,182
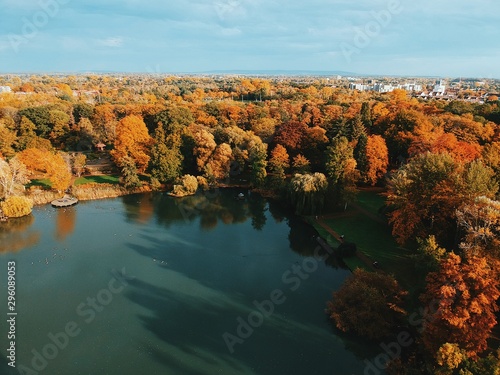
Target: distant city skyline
x,y
370,37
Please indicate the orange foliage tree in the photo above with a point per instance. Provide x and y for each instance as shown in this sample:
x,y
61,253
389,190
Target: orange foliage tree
x,y
377,158
51,164
132,140
368,303
461,299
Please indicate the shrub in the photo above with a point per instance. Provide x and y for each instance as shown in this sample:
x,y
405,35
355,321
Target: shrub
x,y
188,186
16,206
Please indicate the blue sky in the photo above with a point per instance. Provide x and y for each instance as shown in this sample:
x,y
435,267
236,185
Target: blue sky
x,y
447,38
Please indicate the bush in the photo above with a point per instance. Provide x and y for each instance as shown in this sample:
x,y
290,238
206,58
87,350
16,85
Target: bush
x,y
16,206
188,186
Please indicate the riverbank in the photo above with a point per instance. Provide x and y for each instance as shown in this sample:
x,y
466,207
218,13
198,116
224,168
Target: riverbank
x,y
85,192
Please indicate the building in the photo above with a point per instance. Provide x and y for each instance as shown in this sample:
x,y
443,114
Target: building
x,y
439,88
5,89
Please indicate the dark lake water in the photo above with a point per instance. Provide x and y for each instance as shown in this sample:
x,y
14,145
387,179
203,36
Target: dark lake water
x,y
147,284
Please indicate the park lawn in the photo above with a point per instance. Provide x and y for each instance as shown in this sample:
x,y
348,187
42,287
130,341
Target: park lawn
x,y
351,262
100,179
371,201
375,240
41,182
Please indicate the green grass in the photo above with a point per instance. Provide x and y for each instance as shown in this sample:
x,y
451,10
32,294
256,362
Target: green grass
x,y
374,239
43,183
101,179
370,201
352,262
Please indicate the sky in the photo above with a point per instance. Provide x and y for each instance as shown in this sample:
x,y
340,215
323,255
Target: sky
x,y
447,38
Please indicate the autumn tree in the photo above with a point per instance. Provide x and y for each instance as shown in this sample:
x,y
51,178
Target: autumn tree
x,y
461,297
51,164
8,139
480,223
78,162
104,122
204,146
16,206
423,196
132,140
219,164
187,186
60,126
369,304
279,162
13,177
307,193
291,135
300,164
377,159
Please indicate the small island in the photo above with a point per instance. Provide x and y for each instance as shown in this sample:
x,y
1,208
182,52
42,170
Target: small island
x,y
65,201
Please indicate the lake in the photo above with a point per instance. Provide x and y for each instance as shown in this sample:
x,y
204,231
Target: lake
x,y
149,284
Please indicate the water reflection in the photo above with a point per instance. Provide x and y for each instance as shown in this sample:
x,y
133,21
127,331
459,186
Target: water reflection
x,y
65,222
15,234
209,209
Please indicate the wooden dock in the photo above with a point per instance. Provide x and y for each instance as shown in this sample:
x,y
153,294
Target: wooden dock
x,y
65,201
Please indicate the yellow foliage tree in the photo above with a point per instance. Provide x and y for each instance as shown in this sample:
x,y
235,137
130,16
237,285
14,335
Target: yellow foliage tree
x,y
52,165
133,140
16,206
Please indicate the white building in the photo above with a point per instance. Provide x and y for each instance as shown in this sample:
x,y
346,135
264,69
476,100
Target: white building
x,y
5,89
439,88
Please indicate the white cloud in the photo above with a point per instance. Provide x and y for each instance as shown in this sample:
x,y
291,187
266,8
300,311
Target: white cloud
x,y
233,31
114,42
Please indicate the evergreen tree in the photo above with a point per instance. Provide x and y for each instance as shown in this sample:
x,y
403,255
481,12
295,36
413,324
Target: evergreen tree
x,y
166,159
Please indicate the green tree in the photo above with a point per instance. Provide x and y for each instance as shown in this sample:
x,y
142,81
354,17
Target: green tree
x,y
423,195
129,176
366,115
341,170
40,116
166,158
359,154
26,133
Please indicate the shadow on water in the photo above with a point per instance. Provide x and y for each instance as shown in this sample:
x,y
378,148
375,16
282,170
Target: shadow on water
x,y
191,322
5,369
15,234
203,292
